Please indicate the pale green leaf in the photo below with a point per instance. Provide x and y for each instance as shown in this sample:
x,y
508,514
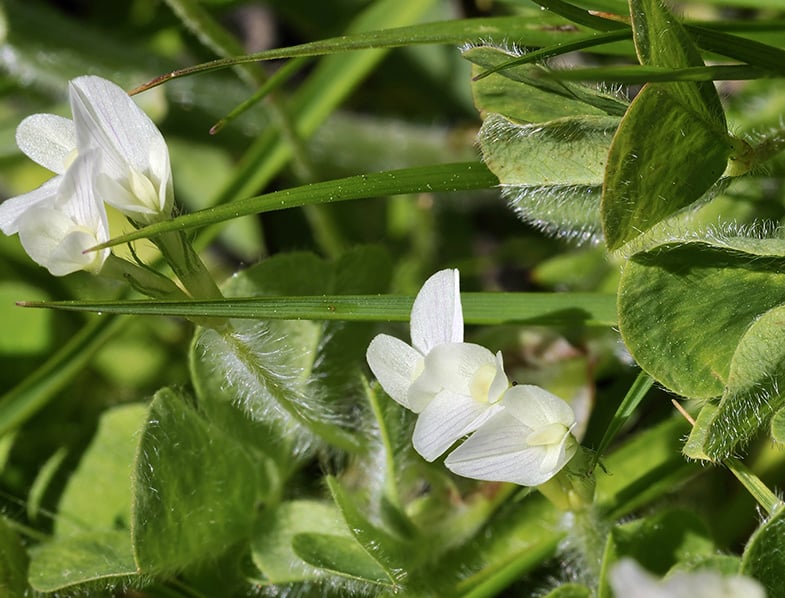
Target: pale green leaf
x,y
665,291
525,93
274,531
97,560
752,394
551,172
195,489
763,557
105,470
340,555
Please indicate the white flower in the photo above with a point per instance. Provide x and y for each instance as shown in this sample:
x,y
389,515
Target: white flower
x,y
56,229
527,442
629,580
135,175
131,170
452,385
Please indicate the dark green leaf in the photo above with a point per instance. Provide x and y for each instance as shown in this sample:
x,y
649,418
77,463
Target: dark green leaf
x,y
579,309
672,145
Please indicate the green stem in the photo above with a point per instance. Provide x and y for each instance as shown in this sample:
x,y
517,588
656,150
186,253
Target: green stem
x,y
187,265
759,491
144,280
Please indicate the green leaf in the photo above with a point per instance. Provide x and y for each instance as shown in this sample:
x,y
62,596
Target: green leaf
x,y
340,555
752,394
195,489
763,557
664,157
551,172
295,372
524,93
672,145
626,408
393,554
105,470
14,563
664,291
274,531
93,560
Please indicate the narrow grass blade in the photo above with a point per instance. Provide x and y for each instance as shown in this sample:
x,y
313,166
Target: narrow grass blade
x,y
587,309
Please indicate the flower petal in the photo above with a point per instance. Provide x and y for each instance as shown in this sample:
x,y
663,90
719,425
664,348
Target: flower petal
x,y
437,316
47,139
56,235
446,419
497,452
455,366
135,155
627,578
13,209
394,363
537,408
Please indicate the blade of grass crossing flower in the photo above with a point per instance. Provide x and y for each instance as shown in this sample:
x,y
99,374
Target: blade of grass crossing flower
x,y
429,179
557,309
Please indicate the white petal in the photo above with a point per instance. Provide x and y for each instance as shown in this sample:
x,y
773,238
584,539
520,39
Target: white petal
x,y
455,366
462,368
394,363
14,208
57,235
497,452
446,419
47,139
628,579
437,316
54,241
500,382
134,151
537,408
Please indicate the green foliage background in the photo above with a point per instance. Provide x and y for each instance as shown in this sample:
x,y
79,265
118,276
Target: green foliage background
x,y
157,453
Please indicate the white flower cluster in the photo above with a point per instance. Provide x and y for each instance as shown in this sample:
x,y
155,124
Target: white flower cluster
x,y
519,433
629,580
110,152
